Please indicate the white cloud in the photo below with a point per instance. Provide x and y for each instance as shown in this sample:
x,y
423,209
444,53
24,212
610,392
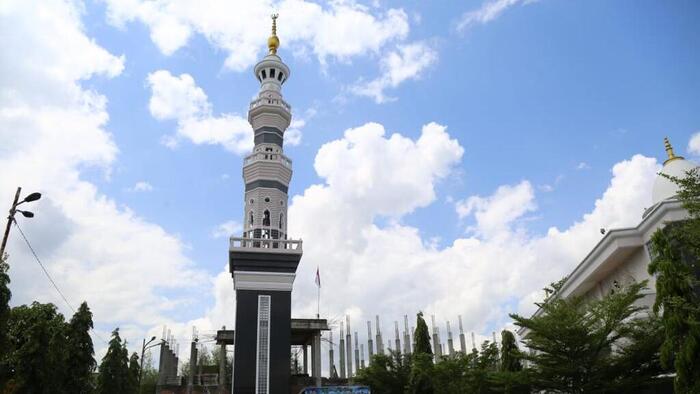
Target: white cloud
x,y
141,186
495,214
94,248
241,27
393,269
180,99
227,229
292,136
406,63
694,144
489,11
583,166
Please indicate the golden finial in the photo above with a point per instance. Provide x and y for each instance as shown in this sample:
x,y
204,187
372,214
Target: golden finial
x,y
669,151
273,42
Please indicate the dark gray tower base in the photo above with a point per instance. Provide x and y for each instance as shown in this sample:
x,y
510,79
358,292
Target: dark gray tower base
x,y
263,281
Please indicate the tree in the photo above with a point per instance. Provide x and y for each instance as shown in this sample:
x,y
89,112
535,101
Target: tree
x,y
584,346
37,343
510,354
386,374
510,378
134,370
421,379
675,264
113,377
421,336
5,296
81,361
149,380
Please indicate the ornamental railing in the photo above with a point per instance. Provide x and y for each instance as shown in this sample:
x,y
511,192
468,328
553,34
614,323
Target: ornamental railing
x,y
266,156
269,244
270,101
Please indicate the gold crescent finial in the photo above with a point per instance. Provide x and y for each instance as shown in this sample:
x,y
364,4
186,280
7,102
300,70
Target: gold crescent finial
x,y
273,42
669,151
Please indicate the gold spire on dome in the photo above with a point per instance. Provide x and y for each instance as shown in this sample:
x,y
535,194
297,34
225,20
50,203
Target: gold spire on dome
x,y
273,42
669,151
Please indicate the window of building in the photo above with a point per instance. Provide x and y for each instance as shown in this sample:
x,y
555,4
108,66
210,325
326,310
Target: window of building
x,y
251,219
266,218
267,199
262,379
272,73
281,220
280,76
264,75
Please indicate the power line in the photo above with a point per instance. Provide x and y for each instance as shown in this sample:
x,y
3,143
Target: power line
x,y
38,260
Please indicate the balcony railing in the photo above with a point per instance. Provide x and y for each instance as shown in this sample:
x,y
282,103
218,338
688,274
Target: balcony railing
x,y
268,244
266,156
270,101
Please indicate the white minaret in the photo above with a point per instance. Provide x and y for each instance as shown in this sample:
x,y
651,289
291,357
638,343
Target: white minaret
x,y
267,171
263,261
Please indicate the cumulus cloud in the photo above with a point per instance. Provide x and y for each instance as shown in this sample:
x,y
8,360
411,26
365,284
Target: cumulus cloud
x,y
694,144
141,186
494,214
55,128
237,26
393,269
406,63
227,229
180,99
489,11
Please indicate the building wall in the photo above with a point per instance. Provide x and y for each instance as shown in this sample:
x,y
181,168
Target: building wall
x,y
246,341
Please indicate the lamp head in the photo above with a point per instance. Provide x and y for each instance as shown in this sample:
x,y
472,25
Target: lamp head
x,y
26,214
32,197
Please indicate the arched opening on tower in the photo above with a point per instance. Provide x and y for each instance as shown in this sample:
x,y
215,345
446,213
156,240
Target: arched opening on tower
x,y
251,219
281,220
266,218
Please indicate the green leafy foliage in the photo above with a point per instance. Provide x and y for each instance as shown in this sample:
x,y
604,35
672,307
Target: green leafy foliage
x,y
581,346
81,361
134,369
114,374
386,374
421,378
5,295
676,249
421,336
37,339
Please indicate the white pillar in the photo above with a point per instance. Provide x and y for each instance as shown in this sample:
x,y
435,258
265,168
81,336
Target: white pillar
x,y
316,358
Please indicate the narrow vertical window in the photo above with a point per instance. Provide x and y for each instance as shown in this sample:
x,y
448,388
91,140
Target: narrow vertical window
x,y
251,219
266,218
272,73
281,220
264,74
262,378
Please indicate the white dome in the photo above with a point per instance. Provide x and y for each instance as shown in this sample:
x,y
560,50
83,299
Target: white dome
x,y
664,188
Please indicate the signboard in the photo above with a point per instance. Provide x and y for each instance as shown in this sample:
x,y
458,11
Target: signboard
x,y
337,390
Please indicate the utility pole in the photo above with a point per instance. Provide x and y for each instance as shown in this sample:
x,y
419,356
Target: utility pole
x,y
10,217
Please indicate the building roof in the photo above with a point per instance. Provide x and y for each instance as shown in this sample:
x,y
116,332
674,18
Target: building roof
x,y
613,249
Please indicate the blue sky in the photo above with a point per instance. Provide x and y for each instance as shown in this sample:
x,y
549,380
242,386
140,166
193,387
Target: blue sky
x,y
548,94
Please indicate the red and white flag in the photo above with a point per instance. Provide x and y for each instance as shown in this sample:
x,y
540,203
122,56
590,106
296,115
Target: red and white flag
x,y
318,278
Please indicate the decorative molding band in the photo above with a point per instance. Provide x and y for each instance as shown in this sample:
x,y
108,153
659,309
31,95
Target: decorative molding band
x,y
256,280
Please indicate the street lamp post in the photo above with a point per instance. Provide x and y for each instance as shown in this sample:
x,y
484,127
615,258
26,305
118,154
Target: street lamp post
x,y
11,216
143,351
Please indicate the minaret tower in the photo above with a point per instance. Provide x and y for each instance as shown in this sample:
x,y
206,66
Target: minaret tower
x,y
263,261
267,171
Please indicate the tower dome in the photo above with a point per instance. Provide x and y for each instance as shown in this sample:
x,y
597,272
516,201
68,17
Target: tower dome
x,y
675,166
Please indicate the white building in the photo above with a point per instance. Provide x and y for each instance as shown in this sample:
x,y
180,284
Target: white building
x,y
622,255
